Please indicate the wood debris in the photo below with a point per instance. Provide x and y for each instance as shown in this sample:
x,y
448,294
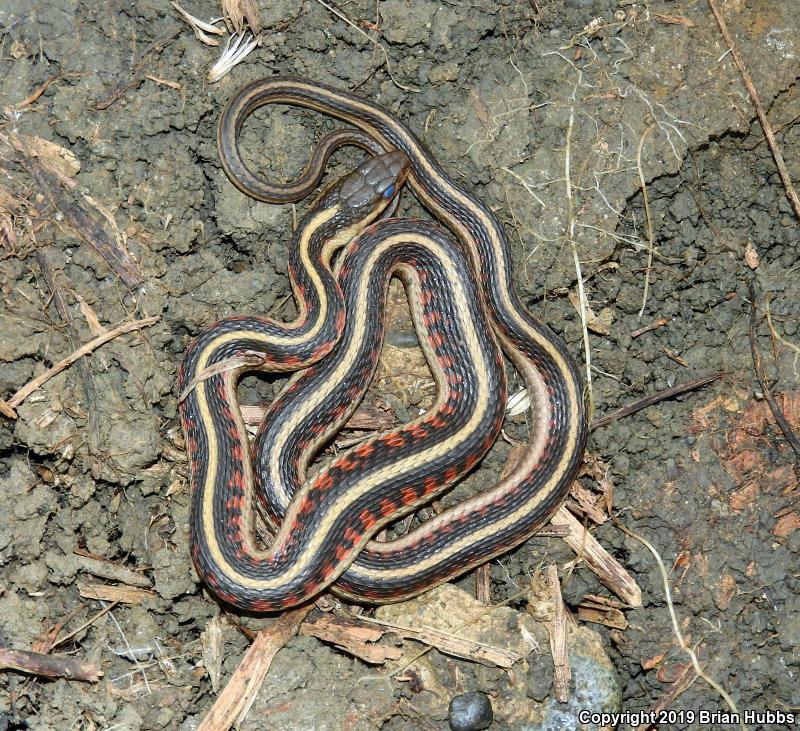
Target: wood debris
x,y
234,702
111,593
49,666
352,635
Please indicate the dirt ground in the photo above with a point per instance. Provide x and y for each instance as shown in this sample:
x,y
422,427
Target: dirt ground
x,y
614,134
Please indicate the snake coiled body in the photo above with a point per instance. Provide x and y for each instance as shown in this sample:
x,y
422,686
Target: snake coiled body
x,y
324,524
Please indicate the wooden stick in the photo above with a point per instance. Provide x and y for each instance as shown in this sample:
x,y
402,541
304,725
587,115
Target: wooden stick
x,y
653,399
50,666
235,700
39,381
606,567
562,673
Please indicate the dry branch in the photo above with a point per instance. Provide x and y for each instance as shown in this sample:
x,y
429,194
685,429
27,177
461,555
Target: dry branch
x,y
50,666
39,381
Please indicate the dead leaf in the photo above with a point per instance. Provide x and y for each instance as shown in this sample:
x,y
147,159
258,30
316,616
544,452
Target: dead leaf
x,y
786,525
240,10
725,592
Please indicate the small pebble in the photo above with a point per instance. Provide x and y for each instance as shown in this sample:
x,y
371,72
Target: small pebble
x,y
470,712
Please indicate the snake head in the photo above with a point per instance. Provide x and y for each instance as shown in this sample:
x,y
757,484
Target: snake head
x,y
373,183
362,195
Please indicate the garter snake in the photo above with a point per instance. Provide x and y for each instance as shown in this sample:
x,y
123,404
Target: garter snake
x,y
453,542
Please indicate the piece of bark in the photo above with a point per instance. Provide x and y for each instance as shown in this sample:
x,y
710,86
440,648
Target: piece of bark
x,y
109,593
108,570
354,637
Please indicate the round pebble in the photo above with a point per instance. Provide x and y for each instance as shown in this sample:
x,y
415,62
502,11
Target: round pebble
x,y
470,712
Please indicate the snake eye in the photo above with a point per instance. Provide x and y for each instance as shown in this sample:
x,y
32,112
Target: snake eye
x,y
389,192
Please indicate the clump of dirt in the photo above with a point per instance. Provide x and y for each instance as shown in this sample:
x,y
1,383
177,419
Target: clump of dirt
x,y
610,138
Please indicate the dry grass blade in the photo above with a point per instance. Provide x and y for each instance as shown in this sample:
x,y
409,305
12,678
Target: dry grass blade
x,y
200,27
791,193
648,217
241,11
251,359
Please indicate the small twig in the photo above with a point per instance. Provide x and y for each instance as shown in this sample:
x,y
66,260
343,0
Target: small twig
x,y
45,86
652,326
49,666
39,381
105,610
676,625
654,398
780,419
791,193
